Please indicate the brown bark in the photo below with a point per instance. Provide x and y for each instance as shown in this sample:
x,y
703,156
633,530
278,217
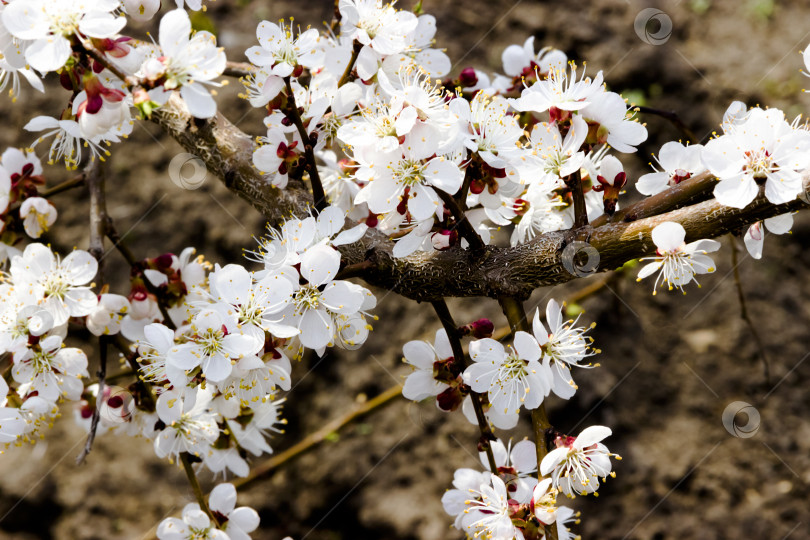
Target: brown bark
x,y
499,271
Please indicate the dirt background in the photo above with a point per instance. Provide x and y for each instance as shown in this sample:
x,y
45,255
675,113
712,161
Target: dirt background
x,y
670,364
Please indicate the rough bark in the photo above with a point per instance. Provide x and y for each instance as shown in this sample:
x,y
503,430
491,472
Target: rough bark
x,y
510,271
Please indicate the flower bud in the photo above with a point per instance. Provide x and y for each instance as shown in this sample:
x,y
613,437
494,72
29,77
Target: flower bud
x,y
482,328
468,78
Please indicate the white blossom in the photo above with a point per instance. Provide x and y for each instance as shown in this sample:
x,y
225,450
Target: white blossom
x,y
577,464
190,427
57,285
240,521
423,356
676,261
50,24
564,345
761,147
678,163
512,378
755,235
38,216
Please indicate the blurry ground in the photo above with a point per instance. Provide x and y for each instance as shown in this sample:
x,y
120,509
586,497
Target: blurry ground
x,y
670,364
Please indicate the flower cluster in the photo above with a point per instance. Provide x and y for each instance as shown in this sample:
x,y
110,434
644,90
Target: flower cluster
x,y
509,502
82,42
394,145
393,149
40,294
225,521
758,147
211,343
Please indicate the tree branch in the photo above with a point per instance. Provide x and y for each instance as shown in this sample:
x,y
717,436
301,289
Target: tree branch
x,y
74,182
238,69
98,221
318,195
458,354
195,486
456,272
466,229
766,365
574,183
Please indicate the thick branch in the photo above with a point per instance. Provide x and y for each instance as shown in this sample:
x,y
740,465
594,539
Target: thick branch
x,y
513,272
690,191
228,153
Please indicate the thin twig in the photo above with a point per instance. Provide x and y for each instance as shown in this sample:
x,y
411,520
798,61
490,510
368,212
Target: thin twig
x,y
118,243
238,69
195,486
74,182
102,381
766,365
123,249
673,117
458,354
466,229
461,196
98,214
347,73
130,81
318,194
336,17
313,439
355,270
574,183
